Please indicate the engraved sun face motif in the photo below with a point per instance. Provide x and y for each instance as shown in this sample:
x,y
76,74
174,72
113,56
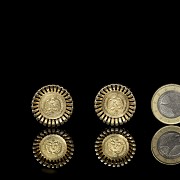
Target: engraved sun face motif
x,y
53,147
169,104
52,105
169,145
115,104
115,146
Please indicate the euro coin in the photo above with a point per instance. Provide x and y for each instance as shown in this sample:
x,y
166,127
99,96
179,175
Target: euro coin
x,y
165,145
165,104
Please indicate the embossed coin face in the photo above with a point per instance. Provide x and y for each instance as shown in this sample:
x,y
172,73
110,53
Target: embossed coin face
x,y
115,104
165,104
115,147
52,105
53,148
165,145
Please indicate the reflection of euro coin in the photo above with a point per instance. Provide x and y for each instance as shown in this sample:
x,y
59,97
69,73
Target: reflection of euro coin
x,y
115,147
115,104
53,148
165,104
52,105
165,145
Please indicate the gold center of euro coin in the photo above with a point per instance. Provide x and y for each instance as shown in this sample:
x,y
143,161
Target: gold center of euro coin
x,y
115,104
115,146
53,147
52,105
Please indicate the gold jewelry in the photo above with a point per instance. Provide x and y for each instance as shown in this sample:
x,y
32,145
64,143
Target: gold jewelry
x,y
53,148
115,104
115,147
52,105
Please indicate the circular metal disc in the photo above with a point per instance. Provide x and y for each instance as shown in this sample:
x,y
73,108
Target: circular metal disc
x,y
52,105
53,148
115,104
165,104
165,145
115,147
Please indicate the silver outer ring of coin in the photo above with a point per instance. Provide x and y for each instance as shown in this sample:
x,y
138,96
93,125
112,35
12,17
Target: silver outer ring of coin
x,y
154,147
99,107
66,99
154,104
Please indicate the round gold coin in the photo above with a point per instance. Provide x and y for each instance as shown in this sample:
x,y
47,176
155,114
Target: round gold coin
x,y
115,104
52,105
53,148
165,104
115,147
165,145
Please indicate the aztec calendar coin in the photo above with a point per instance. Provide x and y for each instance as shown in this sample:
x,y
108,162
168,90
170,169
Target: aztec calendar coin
x,y
165,104
115,104
52,105
115,147
53,148
165,145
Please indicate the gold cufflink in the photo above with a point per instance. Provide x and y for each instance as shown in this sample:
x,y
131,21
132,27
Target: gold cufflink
x,y
52,105
115,104
53,148
115,147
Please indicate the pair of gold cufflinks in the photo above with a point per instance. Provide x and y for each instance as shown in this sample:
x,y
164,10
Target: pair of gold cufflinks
x,y
115,105
52,106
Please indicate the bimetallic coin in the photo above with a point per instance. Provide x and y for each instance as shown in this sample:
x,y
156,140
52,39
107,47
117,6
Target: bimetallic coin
x,y
52,105
53,148
115,104
115,147
165,104
165,145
